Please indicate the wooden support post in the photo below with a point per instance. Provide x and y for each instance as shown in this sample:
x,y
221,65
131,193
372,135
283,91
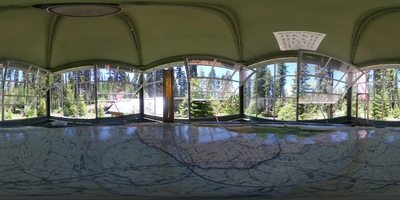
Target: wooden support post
x,y
168,95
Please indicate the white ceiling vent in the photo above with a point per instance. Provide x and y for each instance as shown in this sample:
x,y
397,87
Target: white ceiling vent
x,y
295,40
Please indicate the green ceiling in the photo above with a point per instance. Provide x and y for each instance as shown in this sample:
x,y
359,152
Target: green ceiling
x,y
147,33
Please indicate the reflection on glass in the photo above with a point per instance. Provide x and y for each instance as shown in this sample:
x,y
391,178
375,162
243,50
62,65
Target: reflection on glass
x,y
117,90
24,88
214,88
323,74
74,92
270,95
153,93
381,83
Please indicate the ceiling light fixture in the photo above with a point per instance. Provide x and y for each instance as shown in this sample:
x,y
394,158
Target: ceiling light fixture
x,y
81,9
295,40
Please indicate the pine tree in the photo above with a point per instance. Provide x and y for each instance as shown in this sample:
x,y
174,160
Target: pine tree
x,y
269,92
193,71
183,110
213,83
180,86
201,109
280,83
231,106
392,89
304,110
252,89
82,108
324,78
260,90
287,112
379,108
29,111
100,109
70,108
260,82
41,109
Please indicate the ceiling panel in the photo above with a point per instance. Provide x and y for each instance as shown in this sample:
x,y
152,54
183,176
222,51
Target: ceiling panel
x,y
170,30
167,30
23,35
87,39
379,40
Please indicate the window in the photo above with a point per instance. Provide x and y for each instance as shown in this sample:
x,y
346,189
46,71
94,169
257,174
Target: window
x,y
153,92
214,88
73,94
95,91
323,82
271,91
181,91
381,82
306,88
117,90
24,89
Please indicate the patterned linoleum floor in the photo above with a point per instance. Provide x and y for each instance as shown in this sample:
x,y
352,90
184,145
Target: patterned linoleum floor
x,y
181,161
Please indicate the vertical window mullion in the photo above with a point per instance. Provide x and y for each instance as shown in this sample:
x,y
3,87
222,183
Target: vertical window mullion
x,y
95,67
2,89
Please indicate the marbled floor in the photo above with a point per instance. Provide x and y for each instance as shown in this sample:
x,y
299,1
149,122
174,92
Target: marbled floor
x,y
181,161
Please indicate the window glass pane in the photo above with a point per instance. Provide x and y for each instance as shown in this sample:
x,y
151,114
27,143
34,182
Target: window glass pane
x,y
25,85
250,107
201,108
73,93
153,93
305,98
369,76
235,76
204,71
291,68
117,90
180,88
153,106
158,87
275,81
250,72
325,70
314,59
149,106
224,73
198,68
342,76
68,92
214,85
181,105
2,68
270,69
281,87
340,87
285,111
309,70
307,84
351,75
248,89
148,91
